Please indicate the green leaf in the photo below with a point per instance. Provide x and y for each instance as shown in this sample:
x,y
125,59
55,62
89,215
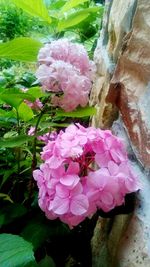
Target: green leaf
x,y
16,141
21,49
15,251
78,113
14,97
57,4
77,17
36,92
72,3
10,134
47,124
12,100
46,262
6,122
6,174
6,197
35,232
71,20
7,114
25,112
39,229
34,8
94,9
11,212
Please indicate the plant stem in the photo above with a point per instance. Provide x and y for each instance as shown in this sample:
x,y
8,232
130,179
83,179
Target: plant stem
x,y
19,149
34,159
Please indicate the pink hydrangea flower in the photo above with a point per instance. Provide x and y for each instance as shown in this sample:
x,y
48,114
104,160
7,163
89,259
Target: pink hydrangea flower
x,y
67,51
65,69
69,186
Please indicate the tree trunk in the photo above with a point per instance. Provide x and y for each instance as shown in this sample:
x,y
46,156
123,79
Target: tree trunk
x,y
121,94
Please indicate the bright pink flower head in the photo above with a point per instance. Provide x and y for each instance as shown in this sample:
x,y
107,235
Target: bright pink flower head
x,y
70,188
65,69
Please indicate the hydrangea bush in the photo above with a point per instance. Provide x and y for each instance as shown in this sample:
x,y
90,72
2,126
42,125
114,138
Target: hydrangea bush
x,y
70,187
65,69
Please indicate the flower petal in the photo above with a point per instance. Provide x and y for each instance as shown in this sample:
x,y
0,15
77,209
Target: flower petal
x,y
79,205
55,162
73,168
59,205
102,159
113,168
69,180
62,191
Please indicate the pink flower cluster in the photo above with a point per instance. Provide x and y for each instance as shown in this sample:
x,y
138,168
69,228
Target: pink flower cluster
x,y
50,136
65,68
69,186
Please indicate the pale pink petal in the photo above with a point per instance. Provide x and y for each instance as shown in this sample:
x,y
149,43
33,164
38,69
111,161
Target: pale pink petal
x,y
113,168
78,189
51,215
73,168
98,146
62,191
55,162
102,159
98,179
59,205
117,155
79,204
38,176
69,180
107,199
72,220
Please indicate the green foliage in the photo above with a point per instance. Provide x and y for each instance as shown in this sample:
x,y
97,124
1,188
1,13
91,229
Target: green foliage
x,y
77,17
72,20
16,251
36,92
47,262
22,49
6,198
78,113
11,212
34,8
17,76
16,141
71,4
14,96
25,112
36,232
13,22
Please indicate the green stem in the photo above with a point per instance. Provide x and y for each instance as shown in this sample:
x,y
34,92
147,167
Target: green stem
x,y
34,159
19,149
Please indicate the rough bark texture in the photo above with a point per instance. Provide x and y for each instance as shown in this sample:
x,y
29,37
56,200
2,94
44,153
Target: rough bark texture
x,y
122,90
